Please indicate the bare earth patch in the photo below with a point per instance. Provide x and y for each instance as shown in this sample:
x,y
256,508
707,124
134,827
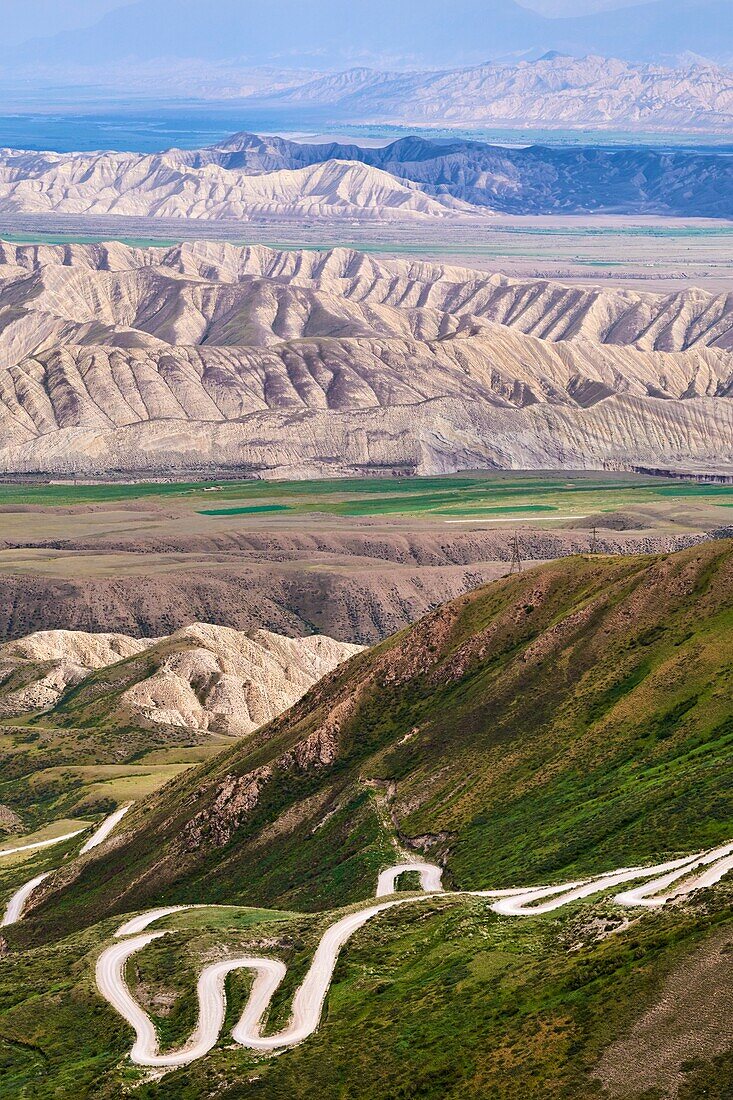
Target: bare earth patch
x,y
693,1018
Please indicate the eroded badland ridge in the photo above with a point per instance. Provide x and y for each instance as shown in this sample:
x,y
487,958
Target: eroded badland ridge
x,y
300,364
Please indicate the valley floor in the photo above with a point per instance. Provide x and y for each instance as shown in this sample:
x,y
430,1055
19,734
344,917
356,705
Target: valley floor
x,y
645,252
354,559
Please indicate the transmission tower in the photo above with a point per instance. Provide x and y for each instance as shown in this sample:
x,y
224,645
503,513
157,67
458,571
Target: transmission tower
x,y
594,545
516,565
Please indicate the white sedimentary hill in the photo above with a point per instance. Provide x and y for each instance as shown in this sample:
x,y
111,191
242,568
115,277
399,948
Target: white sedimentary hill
x,y
202,678
163,186
297,363
220,294
35,671
532,179
253,179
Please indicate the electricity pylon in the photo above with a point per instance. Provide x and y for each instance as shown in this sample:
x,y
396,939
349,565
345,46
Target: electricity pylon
x,y
516,565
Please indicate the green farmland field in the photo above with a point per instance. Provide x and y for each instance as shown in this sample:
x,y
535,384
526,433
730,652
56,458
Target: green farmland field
x,y
515,495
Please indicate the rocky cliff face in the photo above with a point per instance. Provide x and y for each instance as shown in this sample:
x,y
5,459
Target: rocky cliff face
x,y
300,364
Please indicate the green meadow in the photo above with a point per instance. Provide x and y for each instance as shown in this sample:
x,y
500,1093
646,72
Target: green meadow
x,y
512,494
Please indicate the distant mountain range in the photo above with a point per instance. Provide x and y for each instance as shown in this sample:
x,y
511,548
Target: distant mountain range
x,y
556,90
271,179
388,33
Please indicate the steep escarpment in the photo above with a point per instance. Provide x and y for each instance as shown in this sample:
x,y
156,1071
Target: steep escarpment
x,y
530,729
357,586
300,364
361,602
437,437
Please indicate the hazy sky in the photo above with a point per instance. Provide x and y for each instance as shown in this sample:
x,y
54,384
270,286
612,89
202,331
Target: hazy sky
x,y
575,7
23,19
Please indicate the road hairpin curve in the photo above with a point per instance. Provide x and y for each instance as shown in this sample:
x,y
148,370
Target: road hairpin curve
x,y
660,884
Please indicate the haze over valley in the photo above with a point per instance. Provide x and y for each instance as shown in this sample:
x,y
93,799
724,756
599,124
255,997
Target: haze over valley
x,y
554,90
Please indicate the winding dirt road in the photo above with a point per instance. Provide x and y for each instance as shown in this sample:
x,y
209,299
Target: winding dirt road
x,y
41,843
18,901
100,835
544,899
691,873
431,878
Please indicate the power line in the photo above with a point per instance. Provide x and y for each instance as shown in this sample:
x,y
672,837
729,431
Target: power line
x,y
516,565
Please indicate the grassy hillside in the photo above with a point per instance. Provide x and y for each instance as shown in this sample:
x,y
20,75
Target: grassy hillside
x,y
577,717
574,718
443,1000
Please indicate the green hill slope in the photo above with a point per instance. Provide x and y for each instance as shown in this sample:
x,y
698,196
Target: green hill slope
x,y
446,1002
574,718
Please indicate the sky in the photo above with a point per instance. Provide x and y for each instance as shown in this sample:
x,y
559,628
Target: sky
x,y
24,19
575,7
79,42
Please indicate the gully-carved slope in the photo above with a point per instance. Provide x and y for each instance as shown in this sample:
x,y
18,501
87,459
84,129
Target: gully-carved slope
x,y
201,678
412,181
295,363
161,186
